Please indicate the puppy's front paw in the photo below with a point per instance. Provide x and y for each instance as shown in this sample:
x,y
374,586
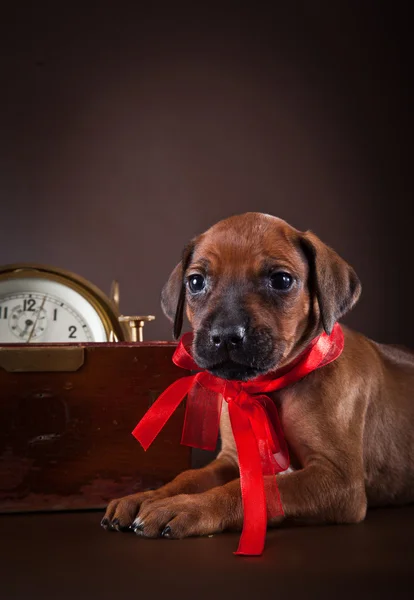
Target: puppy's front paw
x,y
180,516
122,512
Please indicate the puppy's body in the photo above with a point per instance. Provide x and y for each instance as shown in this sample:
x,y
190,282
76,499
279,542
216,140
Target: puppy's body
x,y
257,292
389,421
370,437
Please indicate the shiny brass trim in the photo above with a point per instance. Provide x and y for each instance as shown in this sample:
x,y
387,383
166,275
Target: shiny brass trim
x,y
41,359
114,293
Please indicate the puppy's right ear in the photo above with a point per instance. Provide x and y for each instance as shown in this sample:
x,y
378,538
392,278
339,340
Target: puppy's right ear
x,y
173,292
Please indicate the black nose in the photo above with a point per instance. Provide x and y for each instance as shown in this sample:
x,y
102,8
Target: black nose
x,y
230,336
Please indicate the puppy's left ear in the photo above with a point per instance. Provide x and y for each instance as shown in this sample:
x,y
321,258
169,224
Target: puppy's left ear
x,y
173,292
332,279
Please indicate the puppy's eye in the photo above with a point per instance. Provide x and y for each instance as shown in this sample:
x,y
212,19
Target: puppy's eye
x,y
196,283
281,281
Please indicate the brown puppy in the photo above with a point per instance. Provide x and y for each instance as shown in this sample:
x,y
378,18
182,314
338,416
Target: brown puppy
x,y
257,291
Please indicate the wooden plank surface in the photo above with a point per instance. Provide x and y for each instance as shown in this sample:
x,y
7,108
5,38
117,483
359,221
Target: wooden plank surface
x,y
65,437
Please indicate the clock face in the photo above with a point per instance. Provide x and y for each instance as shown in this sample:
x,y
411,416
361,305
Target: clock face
x,y
39,310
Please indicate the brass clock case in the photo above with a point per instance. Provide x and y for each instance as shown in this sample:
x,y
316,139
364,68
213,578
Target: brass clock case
x,y
107,309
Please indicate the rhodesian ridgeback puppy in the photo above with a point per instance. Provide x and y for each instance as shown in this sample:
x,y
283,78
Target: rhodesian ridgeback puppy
x,y
257,292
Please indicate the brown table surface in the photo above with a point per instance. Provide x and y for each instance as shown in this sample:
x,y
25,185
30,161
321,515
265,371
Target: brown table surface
x,y
68,555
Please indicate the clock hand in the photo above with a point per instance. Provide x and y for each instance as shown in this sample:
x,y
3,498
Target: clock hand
x,y
36,320
26,327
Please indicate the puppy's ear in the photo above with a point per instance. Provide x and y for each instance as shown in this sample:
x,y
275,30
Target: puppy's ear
x,y
331,279
173,292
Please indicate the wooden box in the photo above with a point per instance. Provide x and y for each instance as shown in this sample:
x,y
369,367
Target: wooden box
x,y
66,416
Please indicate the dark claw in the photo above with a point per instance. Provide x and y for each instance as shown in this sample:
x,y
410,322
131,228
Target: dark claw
x,y
115,524
105,523
136,528
166,532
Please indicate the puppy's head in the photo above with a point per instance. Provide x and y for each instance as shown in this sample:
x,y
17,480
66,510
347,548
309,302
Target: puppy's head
x,y
256,292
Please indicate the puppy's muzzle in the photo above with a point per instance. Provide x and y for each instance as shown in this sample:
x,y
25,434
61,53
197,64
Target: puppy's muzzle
x,y
234,350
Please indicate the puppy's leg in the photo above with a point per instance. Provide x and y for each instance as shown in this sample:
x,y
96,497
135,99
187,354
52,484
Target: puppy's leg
x,y
186,515
329,488
122,513
323,493
317,493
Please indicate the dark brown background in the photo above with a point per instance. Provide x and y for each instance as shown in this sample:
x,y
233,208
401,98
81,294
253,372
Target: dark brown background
x,y
125,130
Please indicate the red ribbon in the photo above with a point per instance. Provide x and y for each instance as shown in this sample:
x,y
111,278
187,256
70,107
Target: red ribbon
x,y
261,446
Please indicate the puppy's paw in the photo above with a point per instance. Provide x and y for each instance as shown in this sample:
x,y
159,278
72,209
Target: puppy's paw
x,y
180,516
122,512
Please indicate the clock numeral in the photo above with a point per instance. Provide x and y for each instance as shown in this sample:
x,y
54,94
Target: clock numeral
x,y
72,331
55,314
29,304
3,312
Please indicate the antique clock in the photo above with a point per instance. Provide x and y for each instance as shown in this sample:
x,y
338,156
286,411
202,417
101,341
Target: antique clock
x,y
42,304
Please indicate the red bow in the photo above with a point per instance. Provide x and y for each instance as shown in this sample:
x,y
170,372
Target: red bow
x,y
261,446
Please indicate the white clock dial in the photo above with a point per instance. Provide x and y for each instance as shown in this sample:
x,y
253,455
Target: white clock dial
x,y
37,310
40,318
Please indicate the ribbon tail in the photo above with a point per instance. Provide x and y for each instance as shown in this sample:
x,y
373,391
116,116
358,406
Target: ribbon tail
x,y
273,452
275,433
253,535
155,418
202,417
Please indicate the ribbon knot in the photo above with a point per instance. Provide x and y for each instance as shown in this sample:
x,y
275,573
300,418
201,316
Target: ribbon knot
x,y
232,392
261,446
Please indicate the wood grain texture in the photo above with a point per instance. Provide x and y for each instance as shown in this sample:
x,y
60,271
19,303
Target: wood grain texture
x,y
65,438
